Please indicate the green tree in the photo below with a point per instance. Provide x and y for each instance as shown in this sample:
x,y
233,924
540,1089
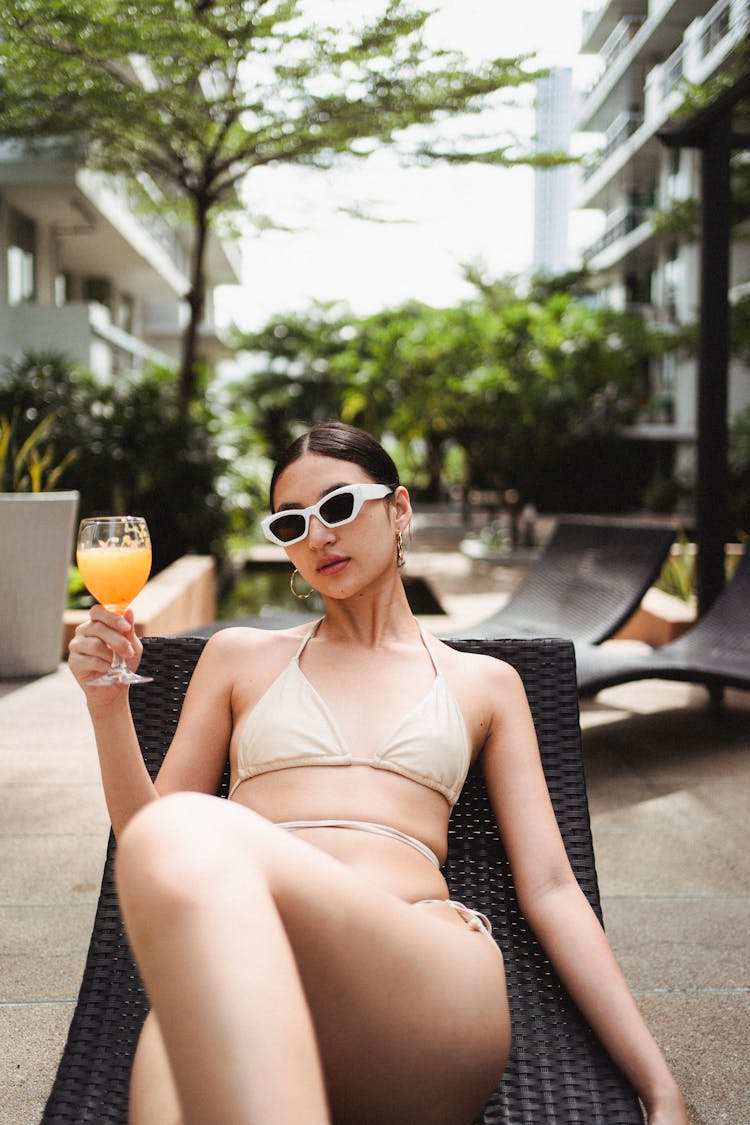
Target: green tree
x,y
532,391
188,97
126,448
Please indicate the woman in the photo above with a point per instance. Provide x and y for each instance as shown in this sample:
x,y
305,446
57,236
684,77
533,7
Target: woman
x,y
297,942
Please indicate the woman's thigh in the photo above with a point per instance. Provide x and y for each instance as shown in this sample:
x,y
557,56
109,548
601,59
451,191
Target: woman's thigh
x,y
408,1003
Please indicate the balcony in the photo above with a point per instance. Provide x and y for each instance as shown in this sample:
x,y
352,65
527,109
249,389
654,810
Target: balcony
x,y
621,223
598,23
700,52
703,49
716,26
82,331
130,238
623,126
622,35
164,325
672,72
727,22
640,41
164,234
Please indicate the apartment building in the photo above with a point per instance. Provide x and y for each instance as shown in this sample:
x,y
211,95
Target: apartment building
x,y
554,120
647,50
87,271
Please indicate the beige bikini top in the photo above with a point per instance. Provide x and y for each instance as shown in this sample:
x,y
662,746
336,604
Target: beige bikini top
x,y
291,725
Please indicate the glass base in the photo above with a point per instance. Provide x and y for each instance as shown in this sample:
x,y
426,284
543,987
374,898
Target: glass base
x,y
119,676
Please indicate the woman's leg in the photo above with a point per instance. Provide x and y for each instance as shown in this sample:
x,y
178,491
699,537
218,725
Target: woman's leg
x,y
269,963
218,969
153,1094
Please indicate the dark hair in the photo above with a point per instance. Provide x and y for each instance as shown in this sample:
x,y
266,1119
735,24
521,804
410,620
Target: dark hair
x,y
344,443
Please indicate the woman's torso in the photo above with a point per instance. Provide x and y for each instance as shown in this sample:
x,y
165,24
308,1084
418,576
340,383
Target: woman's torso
x,y
367,695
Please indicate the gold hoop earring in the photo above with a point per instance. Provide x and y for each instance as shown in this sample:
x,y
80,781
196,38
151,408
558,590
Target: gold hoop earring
x,y
400,554
302,597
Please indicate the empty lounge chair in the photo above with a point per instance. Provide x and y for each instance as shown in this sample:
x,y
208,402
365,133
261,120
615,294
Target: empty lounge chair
x,y
715,651
589,580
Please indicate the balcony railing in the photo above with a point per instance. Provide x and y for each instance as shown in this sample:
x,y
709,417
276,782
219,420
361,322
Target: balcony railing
x,y
625,30
725,18
623,126
83,330
622,223
672,71
608,10
715,26
159,229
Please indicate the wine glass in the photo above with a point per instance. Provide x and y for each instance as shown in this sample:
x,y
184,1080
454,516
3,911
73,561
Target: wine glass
x,y
114,560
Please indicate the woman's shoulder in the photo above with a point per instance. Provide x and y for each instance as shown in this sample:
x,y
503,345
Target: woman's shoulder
x,y
242,641
470,659
481,669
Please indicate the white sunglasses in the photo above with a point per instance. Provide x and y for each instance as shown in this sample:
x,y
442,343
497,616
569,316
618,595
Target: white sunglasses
x,y
338,507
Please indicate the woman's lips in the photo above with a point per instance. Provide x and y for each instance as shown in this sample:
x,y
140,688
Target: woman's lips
x,y
332,565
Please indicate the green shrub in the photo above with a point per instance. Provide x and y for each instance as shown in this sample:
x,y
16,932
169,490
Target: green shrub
x,y
134,451
29,464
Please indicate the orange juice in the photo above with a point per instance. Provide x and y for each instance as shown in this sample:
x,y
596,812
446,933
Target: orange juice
x,y
114,575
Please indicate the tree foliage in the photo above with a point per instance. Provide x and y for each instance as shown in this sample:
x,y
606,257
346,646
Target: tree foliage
x,y
187,97
125,448
526,389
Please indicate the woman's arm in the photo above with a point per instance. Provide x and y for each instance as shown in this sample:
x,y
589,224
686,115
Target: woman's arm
x,y
198,752
556,908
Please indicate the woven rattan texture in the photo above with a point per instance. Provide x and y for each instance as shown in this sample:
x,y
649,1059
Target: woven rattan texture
x,y
715,651
590,578
557,1072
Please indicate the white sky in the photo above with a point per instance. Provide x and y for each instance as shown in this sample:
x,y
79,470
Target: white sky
x,y
446,216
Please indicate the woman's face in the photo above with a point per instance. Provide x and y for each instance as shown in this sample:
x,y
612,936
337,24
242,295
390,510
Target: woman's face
x,y
339,561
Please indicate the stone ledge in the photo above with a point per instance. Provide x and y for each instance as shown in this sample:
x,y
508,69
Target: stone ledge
x,y
180,597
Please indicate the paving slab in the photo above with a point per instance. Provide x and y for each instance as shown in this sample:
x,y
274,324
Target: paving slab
x,y
669,787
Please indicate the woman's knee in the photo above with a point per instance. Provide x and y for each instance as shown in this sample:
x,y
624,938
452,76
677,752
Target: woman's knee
x,y
175,850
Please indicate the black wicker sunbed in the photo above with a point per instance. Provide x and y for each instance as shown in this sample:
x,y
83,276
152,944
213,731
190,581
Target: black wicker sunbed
x,y
715,651
558,1072
588,581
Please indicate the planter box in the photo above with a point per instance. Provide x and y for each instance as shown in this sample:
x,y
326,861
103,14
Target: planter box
x,y
659,619
37,535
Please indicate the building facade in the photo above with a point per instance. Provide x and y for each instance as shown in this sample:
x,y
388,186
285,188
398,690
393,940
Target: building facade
x,y
552,186
648,50
88,272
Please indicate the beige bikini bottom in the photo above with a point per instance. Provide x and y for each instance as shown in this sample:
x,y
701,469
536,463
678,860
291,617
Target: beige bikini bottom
x,y
474,919
364,826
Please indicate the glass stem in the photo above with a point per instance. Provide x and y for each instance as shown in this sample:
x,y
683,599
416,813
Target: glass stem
x,y
118,663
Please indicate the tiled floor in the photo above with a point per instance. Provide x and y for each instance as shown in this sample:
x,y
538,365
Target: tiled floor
x,y
669,791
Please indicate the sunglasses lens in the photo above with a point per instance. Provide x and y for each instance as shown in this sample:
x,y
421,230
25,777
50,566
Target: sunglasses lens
x,y
338,509
287,527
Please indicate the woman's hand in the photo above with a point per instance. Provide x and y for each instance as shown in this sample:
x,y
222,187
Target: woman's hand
x,y
90,651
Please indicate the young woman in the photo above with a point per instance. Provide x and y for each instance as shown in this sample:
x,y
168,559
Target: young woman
x,y
301,954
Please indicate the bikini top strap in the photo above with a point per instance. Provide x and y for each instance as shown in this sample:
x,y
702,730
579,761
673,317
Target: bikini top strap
x,y
307,637
430,653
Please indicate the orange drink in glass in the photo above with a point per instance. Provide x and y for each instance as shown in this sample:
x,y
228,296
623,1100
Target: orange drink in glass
x,y
114,560
114,575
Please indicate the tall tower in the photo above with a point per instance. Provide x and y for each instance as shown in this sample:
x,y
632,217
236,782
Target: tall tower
x,y
552,186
